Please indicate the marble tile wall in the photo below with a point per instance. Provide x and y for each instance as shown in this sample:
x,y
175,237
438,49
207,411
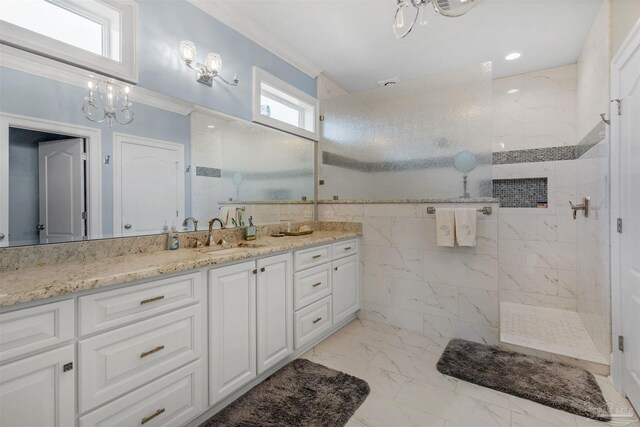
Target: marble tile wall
x,y
537,247
592,74
541,114
411,283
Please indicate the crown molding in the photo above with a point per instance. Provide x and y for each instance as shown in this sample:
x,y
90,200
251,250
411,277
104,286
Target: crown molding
x,y
257,34
38,65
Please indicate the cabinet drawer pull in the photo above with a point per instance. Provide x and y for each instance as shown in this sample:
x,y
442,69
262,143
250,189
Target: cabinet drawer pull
x,y
347,248
154,350
150,300
152,416
316,256
317,320
335,268
316,284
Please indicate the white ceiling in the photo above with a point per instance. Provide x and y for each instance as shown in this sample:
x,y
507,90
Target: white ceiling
x,y
352,41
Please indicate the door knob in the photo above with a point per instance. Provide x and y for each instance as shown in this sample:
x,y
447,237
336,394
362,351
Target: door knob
x,y
127,226
40,227
1,236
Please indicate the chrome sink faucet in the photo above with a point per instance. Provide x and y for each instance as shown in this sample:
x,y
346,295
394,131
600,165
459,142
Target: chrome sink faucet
x,y
185,223
211,223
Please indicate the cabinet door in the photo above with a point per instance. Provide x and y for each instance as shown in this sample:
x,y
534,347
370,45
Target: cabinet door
x,y
275,310
37,391
232,329
346,293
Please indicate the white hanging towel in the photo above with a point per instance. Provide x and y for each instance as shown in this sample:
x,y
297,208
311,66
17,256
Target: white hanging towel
x,y
466,225
445,227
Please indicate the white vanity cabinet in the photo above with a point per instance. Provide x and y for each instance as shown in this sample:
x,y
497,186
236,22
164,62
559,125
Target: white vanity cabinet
x,y
326,289
346,292
165,351
39,390
274,310
250,321
232,328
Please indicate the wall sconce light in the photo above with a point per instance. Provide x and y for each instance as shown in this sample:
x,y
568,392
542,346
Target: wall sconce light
x,y
107,101
207,71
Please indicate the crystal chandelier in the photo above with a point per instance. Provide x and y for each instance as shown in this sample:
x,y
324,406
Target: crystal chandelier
x,y
108,101
448,8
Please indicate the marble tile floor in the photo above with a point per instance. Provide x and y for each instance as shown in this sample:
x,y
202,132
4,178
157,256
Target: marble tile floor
x,y
407,390
547,329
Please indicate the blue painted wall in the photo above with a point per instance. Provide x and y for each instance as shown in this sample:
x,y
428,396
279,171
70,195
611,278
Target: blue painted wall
x,y
33,96
163,24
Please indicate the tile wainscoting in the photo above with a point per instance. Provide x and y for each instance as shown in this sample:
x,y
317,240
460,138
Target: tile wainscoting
x,y
411,283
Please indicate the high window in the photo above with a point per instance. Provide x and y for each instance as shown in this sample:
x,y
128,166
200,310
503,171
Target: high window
x,y
279,105
98,35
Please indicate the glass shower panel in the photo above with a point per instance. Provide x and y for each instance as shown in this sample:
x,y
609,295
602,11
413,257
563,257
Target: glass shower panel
x,y
423,138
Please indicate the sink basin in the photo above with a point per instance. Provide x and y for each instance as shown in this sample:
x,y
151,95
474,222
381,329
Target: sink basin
x,y
235,248
221,251
252,245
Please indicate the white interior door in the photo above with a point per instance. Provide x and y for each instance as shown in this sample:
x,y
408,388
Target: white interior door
x,y
629,143
61,176
148,185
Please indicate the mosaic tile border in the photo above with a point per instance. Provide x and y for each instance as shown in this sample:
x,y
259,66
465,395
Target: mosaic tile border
x,y
534,155
208,172
597,134
521,192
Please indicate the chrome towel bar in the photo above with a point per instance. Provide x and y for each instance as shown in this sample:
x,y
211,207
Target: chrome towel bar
x,y
485,210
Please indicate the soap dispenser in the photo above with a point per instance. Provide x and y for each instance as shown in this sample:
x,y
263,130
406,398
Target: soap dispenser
x,y
250,230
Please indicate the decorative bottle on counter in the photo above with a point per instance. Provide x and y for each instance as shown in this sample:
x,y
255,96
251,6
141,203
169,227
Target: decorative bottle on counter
x,y
173,241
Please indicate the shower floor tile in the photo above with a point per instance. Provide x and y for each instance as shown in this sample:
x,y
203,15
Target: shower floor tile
x,y
547,329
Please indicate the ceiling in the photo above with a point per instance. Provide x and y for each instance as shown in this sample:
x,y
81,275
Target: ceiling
x,y
352,40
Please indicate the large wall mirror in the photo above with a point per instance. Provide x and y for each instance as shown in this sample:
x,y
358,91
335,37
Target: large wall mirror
x,y
67,179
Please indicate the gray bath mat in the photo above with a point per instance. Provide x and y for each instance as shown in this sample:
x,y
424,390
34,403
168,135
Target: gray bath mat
x,y
302,393
549,383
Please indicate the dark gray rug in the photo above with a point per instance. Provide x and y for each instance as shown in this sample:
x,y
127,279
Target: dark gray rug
x,y
549,383
302,393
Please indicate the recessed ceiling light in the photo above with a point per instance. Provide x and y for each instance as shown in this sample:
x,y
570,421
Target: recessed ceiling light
x,y
512,56
211,127
513,91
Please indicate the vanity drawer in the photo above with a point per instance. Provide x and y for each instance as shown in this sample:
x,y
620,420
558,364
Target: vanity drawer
x,y
343,249
32,329
311,285
108,309
312,321
116,362
311,257
170,401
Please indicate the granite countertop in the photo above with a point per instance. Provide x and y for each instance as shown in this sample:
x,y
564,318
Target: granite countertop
x,y
39,283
